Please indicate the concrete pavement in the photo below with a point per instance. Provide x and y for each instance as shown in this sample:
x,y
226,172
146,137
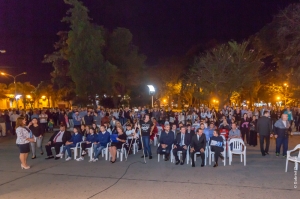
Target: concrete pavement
x,y
262,177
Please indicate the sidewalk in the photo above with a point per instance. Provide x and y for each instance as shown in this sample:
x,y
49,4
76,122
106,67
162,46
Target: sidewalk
x,y
262,177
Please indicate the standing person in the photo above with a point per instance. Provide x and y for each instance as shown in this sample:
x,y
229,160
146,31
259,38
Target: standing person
x,y
70,118
13,118
77,119
264,129
43,121
23,140
245,127
88,119
38,133
2,124
253,132
289,114
281,132
146,127
97,119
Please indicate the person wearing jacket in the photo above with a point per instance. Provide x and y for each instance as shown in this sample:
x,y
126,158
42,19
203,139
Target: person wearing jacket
x,y
198,144
166,140
264,129
181,143
281,132
101,142
245,127
76,137
216,145
90,139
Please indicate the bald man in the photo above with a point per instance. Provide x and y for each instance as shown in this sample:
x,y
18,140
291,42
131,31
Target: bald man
x,y
281,132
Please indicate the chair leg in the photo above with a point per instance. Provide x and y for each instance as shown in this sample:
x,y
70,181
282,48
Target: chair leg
x,y
286,164
209,158
158,156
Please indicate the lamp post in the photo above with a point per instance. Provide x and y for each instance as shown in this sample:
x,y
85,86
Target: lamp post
x,y
285,93
2,51
14,77
151,92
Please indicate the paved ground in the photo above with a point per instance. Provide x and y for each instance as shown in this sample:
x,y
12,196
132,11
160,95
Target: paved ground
x,y
263,177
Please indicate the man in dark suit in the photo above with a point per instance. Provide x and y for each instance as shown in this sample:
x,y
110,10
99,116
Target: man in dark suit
x,y
190,131
264,129
198,144
57,140
166,140
181,143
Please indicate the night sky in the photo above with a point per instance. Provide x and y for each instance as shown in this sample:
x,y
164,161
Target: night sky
x,y
160,28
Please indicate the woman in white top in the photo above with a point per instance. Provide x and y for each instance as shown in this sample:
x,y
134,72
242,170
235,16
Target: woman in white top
x,y
24,137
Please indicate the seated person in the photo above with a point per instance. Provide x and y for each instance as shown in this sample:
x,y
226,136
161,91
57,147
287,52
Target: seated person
x,y
181,143
190,131
90,139
216,145
121,139
224,125
58,139
76,137
101,142
166,140
198,144
234,132
209,131
131,136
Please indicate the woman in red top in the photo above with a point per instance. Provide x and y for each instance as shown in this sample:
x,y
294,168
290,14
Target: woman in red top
x,y
155,130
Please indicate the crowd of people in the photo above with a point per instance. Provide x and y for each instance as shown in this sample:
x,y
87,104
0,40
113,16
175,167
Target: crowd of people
x,y
192,129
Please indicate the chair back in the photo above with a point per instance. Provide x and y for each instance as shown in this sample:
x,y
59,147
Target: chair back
x,y
237,144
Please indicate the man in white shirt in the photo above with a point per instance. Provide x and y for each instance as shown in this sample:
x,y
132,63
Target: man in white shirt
x,y
43,117
13,118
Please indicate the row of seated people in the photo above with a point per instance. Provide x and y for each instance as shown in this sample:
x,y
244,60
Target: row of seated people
x,y
99,139
185,141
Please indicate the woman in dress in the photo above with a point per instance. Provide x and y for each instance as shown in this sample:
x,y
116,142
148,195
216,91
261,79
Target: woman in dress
x,y
253,133
23,140
245,127
121,139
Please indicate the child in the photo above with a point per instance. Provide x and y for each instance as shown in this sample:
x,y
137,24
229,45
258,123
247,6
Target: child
x,y
50,125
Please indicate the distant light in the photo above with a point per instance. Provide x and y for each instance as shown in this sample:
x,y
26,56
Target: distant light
x,y
43,97
2,51
18,96
151,88
28,96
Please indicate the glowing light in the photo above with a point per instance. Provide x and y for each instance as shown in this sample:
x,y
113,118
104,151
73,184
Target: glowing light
x,y
43,97
18,96
151,88
28,96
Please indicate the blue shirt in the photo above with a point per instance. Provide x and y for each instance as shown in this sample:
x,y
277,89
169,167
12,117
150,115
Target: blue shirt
x,y
77,119
103,138
92,138
208,133
76,138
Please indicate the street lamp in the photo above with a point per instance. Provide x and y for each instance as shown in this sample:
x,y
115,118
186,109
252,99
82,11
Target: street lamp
x,y
2,51
285,93
151,92
14,77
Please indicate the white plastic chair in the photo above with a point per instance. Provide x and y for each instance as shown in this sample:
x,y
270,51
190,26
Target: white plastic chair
x,y
134,146
179,153
120,153
75,150
238,148
158,155
90,151
211,156
295,159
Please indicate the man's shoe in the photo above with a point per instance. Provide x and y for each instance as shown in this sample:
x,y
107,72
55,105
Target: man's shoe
x,y
263,154
193,164
182,162
95,160
49,157
167,159
150,157
59,155
284,156
202,165
57,158
33,157
277,154
143,156
216,164
267,153
177,162
80,159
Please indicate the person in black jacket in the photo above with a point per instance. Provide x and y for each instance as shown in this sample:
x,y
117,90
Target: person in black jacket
x,y
245,127
38,133
216,145
264,129
190,131
282,127
166,140
198,144
181,143
57,140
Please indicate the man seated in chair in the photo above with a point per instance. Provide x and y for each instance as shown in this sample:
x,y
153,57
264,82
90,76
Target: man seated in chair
x,y
76,137
181,143
101,142
57,140
198,144
166,140
234,132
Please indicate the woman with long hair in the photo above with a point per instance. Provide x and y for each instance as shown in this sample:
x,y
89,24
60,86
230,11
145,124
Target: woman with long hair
x,y
121,139
24,137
